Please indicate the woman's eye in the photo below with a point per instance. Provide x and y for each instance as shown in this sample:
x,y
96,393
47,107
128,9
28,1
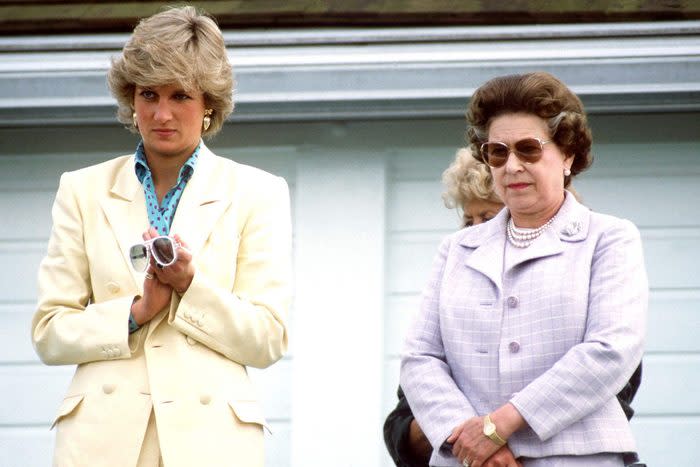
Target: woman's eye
x,y
148,95
181,97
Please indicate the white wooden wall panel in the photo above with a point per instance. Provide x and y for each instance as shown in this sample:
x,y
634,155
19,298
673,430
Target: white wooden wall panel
x,y
340,296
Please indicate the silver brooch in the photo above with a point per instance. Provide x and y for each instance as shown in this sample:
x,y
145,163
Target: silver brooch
x,y
572,228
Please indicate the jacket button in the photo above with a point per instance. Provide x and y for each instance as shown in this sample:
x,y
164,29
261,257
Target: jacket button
x,y
108,388
190,340
113,287
204,399
514,347
512,302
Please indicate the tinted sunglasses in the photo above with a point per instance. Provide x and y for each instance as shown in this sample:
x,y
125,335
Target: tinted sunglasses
x,y
162,248
528,150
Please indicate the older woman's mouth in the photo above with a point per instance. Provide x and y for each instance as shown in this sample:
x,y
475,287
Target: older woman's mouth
x,y
518,186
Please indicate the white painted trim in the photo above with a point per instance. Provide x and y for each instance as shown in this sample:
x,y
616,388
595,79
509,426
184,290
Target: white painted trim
x,y
317,75
276,37
339,310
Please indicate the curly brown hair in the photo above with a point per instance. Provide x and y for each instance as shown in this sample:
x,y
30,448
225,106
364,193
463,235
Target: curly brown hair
x,y
176,46
540,94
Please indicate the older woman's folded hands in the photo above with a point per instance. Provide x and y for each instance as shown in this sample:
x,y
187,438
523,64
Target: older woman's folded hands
x,y
469,443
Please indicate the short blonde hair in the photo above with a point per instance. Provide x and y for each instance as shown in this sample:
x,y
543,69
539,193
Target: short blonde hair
x,y
466,180
176,46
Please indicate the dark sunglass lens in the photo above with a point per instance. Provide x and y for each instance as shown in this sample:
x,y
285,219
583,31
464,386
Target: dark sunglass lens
x,y
529,148
139,257
496,154
163,250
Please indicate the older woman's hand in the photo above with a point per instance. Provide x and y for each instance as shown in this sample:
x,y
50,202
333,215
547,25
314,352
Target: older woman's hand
x,y
502,458
468,442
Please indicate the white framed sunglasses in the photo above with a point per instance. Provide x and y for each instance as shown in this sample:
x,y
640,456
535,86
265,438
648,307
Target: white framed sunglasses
x,y
162,248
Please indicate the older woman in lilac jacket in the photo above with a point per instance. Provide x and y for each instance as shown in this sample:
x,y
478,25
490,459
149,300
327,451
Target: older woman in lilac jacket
x,y
532,322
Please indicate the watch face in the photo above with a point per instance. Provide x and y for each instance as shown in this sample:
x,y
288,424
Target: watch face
x,y
489,429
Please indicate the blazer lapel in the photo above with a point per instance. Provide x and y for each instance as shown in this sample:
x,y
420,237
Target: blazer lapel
x,y
203,201
488,240
125,209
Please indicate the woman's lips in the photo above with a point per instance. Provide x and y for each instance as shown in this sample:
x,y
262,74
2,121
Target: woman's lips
x,y
164,132
518,186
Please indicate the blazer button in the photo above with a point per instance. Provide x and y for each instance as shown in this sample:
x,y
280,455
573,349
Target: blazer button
x,y
113,287
190,340
512,302
204,399
108,388
514,347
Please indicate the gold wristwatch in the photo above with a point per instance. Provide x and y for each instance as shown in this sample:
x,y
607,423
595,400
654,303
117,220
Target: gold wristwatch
x,y
491,433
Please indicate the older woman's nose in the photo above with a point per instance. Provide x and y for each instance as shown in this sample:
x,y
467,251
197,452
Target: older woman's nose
x,y
513,163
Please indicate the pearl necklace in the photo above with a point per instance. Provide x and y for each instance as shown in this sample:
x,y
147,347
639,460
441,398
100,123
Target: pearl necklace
x,y
523,238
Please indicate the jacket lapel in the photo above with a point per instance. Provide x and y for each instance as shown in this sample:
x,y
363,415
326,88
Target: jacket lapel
x,y
204,200
125,209
488,240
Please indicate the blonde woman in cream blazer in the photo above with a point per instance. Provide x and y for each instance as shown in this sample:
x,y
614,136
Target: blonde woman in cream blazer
x,y
174,391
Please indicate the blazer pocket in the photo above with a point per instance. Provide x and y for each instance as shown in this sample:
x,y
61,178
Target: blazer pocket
x,y
248,411
68,406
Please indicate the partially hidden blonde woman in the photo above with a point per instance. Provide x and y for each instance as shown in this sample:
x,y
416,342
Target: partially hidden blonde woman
x,y
167,271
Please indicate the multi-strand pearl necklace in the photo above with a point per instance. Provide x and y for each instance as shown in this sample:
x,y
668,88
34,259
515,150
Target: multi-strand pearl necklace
x,y
523,238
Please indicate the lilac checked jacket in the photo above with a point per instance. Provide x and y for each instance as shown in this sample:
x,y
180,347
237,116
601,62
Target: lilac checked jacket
x,y
556,328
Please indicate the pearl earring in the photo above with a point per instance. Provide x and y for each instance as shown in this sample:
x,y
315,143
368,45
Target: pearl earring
x,y
567,171
133,118
207,119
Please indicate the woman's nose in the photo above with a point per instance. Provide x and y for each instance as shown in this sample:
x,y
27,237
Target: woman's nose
x,y
163,112
513,164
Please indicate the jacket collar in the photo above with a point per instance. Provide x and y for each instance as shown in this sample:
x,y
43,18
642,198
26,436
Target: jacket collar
x,y
489,240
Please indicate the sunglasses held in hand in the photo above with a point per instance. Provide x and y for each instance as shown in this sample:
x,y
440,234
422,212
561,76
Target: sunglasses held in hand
x,y
162,248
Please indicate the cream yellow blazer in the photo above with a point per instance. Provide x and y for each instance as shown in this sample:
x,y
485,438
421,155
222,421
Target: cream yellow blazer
x,y
188,364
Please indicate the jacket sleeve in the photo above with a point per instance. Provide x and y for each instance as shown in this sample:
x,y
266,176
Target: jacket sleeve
x,y
396,434
592,372
437,403
247,324
66,327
